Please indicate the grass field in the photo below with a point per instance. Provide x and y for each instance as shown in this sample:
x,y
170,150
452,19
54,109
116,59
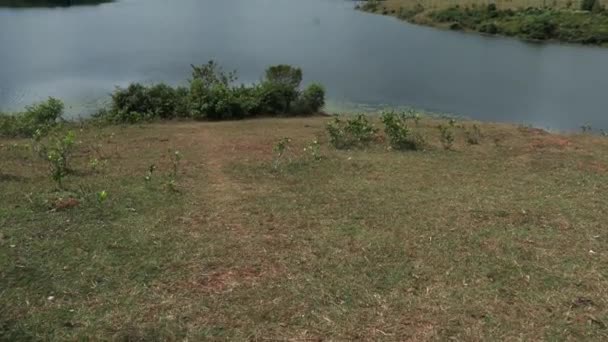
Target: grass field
x,y
505,240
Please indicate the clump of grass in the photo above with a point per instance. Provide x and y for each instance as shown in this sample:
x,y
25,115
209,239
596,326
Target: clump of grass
x,y
474,135
447,135
357,132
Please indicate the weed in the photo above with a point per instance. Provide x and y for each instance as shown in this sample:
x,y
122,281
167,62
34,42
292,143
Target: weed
x,y
101,197
586,128
314,150
399,134
176,157
150,173
474,135
57,152
447,135
280,149
349,133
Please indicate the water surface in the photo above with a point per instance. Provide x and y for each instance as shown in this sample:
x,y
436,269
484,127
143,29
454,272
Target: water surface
x,y
80,53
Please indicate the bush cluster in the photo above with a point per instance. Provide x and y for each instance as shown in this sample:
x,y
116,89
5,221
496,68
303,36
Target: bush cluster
x,y
531,23
356,132
400,135
36,119
213,95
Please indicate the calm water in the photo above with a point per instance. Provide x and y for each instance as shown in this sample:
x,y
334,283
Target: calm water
x,y
79,54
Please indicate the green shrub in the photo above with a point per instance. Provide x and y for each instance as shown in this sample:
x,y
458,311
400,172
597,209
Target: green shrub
x,y
355,132
139,103
56,150
167,102
400,136
212,101
133,99
370,5
489,28
539,27
37,118
213,97
281,88
448,135
310,101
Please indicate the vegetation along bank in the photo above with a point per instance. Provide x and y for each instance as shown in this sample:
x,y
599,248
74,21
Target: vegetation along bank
x,y
584,22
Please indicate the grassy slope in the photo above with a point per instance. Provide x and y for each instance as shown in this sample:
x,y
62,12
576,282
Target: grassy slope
x,y
505,240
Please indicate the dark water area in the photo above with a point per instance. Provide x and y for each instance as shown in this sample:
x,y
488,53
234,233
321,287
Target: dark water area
x,y
80,53
49,3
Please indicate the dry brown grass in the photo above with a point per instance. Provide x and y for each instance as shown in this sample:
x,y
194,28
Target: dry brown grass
x,y
499,241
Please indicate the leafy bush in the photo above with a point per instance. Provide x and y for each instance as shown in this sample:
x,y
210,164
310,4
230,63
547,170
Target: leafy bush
x,y
539,27
139,103
281,88
39,118
399,134
212,95
311,100
213,101
355,132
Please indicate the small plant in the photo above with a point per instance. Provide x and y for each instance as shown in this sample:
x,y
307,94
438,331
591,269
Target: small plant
x,y
176,158
399,134
415,116
101,197
586,128
447,135
356,132
150,173
314,150
280,149
57,153
603,133
474,135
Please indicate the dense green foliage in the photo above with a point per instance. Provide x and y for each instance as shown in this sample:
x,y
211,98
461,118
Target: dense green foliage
x,y
532,23
213,95
37,118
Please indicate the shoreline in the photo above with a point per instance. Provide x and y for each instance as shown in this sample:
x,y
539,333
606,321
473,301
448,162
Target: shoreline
x,y
531,25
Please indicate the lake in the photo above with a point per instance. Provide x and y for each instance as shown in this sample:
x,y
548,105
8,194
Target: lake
x,y
79,54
